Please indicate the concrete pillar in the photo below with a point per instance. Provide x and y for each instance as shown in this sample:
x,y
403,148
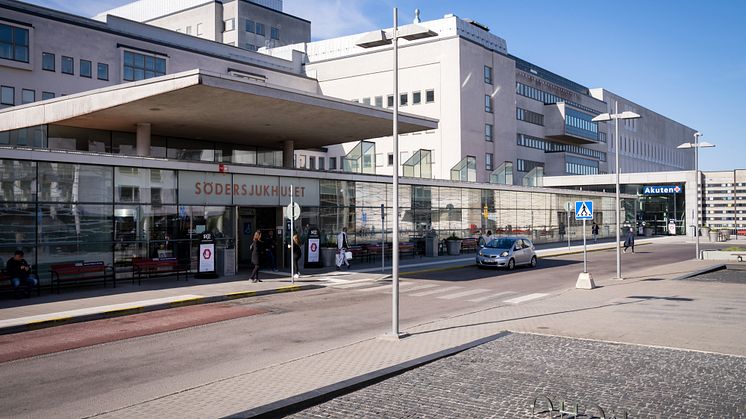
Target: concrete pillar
x,y
143,139
288,152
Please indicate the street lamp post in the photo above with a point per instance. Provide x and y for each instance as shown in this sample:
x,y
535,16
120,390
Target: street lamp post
x,y
696,146
616,116
377,39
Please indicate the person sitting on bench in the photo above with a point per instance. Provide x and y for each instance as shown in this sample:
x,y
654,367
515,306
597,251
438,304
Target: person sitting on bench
x,y
20,273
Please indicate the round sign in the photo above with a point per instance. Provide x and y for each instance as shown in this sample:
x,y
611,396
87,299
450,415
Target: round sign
x,y
207,254
314,247
293,211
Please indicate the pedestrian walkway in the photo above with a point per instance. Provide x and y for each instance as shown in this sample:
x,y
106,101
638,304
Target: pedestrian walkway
x,y
651,307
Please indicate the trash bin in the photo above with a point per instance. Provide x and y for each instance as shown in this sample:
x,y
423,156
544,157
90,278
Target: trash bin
x,y
431,243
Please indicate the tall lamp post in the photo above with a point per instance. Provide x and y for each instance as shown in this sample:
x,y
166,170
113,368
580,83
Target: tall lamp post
x,y
696,145
377,39
616,116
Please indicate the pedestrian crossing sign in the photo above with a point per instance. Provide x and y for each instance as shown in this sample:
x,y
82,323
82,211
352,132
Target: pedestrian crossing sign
x,y
583,210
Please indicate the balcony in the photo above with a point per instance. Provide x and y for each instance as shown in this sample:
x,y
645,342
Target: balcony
x,y
567,124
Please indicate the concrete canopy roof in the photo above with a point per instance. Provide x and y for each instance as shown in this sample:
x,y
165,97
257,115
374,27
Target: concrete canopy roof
x,y
198,104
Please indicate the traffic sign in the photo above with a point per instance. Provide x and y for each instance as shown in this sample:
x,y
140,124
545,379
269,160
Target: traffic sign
x,y
293,211
583,210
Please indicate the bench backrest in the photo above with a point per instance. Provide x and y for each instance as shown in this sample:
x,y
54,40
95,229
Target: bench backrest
x,y
78,268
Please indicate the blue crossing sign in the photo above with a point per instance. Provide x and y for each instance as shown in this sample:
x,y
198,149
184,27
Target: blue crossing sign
x,y
583,210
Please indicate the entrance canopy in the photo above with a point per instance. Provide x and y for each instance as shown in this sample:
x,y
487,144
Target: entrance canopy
x,y
202,105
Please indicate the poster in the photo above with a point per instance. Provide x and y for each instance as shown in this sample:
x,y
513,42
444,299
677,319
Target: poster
x,y
207,257
313,250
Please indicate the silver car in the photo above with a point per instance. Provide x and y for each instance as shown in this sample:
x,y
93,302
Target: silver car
x,y
507,252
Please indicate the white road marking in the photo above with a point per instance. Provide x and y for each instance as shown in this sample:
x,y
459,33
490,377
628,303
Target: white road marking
x,y
491,296
463,294
417,288
525,298
351,285
424,293
381,288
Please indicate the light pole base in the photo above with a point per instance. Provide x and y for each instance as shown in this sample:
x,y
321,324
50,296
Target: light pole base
x,y
393,337
618,279
585,281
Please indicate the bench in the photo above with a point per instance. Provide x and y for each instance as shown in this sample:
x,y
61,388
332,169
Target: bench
x,y
80,271
469,244
158,267
7,287
408,248
359,252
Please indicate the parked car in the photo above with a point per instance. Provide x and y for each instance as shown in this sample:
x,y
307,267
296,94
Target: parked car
x,y
507,252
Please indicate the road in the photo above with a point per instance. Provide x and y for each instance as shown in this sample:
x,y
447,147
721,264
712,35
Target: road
x,y
125,370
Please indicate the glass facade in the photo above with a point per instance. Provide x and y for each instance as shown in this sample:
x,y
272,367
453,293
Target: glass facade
x,y
62,212
580,124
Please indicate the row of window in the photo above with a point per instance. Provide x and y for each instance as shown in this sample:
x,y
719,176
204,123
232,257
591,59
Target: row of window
x,y
528,116
14,43
527,165
142,66
580,169
310,162
67,66
251,26
546,97
546,145
404,99
8,95
188,30
488,74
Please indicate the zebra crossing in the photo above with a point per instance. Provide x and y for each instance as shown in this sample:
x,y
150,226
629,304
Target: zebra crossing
x,y
439,291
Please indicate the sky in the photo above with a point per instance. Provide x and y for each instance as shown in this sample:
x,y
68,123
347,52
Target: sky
x,y
683,59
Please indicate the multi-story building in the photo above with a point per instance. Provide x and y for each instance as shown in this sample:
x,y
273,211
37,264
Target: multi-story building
x,y
502,118
247,24
724,200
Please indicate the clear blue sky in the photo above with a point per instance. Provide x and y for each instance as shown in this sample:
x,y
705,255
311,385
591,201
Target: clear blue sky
x,y
684,59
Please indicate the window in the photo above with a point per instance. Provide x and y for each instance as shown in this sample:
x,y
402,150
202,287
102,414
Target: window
x,y
188,30
527,165
528,116
366,101
390,101
429,96
488,103
488,74
312,163
7,95
250,26
332,163
488,159
28,96
14,43
260,29
322,160
103,71
47,61
139,66
416,98
85,68
379,101
274,33
229,25
488,132
252,47
403,99
199,29
47,95
391,159
379,160
68,65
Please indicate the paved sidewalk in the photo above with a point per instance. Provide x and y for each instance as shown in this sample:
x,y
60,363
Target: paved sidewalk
x,y
651,307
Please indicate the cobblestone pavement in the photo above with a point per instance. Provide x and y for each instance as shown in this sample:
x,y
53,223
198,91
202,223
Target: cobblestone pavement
x,y
734,274
500,379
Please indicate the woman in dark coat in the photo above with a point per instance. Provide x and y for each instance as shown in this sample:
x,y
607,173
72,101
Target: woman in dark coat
x,y
297,254
630,240
255,244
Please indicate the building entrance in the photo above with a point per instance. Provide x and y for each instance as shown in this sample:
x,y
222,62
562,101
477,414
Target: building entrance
x,y
265,220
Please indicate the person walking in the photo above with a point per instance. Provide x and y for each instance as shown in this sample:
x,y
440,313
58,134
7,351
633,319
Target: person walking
x,y
594,232
255,245
342,247
297,254
20,274
630,240
269,248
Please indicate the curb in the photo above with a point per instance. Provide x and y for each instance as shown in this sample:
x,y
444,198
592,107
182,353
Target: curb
x,y
711,268
59,321
310,398
564,253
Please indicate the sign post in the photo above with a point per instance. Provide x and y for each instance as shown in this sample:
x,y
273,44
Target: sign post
x,y
568,208
292,212
383,239
584,211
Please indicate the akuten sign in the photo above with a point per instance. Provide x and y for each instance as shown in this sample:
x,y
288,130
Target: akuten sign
x,y
197,188
659,190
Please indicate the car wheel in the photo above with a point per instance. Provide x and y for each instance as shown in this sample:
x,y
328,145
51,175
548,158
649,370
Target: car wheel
x,y
511,264
533,261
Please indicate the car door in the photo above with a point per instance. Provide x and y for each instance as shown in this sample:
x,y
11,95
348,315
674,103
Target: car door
x,y
518,252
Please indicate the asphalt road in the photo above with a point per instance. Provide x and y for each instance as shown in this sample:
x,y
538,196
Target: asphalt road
x,y
127,370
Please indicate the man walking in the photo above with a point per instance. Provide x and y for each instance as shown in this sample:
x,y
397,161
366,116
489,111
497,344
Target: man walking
x,y
342,247
20,274
594,232
630,240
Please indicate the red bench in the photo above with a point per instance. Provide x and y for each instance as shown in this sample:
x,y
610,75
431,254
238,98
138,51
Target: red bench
x,y
81,272
158,267
408,248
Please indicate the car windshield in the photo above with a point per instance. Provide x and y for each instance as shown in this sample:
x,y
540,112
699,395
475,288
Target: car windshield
x,y
500,243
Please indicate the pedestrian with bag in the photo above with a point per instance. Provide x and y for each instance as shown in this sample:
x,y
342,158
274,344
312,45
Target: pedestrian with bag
x,y
594,232
342,247
630,240
255,249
